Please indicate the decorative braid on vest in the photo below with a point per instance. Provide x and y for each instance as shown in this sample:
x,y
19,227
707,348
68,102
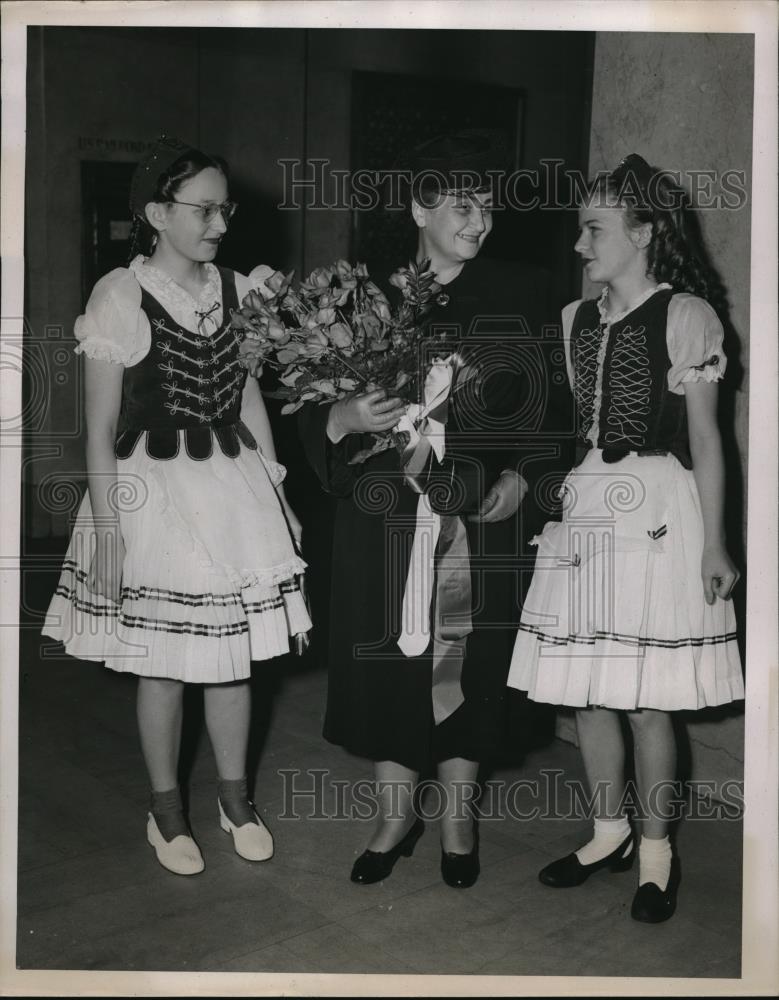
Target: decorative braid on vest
x,y
188,386
631,400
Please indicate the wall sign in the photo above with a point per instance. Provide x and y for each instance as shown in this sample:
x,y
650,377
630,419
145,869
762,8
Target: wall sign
x,y
102,144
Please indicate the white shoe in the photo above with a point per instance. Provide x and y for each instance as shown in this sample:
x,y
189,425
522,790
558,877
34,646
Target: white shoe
x,y
252,841
181,855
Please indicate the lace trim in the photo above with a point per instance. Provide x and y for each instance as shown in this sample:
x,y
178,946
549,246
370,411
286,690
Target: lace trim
x,y
177,300
711,370
603,303
101,350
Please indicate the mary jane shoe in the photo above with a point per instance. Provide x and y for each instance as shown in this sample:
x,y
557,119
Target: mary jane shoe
x,y
567,872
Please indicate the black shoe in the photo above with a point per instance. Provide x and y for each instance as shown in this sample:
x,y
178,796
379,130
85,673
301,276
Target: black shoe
x,y
653,905
569,871
373,866
460,871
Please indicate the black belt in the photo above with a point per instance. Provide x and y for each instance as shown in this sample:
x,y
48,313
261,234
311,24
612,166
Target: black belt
x,y
611,455
164,443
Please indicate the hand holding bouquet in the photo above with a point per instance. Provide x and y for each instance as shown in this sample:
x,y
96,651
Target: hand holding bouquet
x,y
336,334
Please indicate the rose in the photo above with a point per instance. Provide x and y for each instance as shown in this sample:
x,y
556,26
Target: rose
x,y
320,277
324,385
242,323
277,331
382,308
340,335
254,301
278,282
290,353
252,352
315,345
325,316
371,326
399,279
341,296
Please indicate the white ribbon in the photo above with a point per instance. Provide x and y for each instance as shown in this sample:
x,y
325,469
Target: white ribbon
x,y
417,597
438,385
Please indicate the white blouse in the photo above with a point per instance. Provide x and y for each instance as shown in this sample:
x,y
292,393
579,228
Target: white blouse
x,y
114,328
694,338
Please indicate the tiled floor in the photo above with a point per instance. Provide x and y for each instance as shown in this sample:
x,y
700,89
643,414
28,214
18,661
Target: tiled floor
x,y
91,895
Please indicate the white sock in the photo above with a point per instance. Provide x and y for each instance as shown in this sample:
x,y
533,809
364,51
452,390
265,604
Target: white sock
x,y
609,834
654,862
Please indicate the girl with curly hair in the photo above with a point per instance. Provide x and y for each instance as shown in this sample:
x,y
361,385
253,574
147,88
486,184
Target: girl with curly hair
x,y
629,605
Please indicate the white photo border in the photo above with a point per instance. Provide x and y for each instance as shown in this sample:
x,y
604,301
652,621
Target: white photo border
x,y
760,937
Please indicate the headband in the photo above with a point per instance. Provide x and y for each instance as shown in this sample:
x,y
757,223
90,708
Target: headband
x,y
166,150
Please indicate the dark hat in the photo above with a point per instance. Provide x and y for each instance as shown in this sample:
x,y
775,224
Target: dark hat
x,y
458,161
166,150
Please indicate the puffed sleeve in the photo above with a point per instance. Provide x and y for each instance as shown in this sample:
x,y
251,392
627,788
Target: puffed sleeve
x,y
254,281
694,338
114,327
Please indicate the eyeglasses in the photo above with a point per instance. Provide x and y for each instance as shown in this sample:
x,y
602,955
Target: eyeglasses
x,y
208,209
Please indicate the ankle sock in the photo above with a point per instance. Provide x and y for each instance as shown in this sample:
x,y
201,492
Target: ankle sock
x,y
654,861
608,835
234,796
168,813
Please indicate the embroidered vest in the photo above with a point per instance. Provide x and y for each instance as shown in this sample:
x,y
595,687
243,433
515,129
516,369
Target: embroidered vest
x,y
188,386
633,405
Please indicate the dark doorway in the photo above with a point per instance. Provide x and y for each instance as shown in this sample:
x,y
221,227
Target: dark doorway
x,y
106,220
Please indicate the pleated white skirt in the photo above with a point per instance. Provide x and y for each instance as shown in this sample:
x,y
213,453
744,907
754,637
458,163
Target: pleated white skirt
x,y
615,614
210,578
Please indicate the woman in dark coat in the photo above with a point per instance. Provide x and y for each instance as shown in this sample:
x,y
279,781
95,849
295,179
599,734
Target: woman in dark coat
x,y
441,702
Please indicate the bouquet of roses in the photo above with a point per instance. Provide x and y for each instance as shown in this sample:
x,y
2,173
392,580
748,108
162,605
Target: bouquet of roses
x,y
335,334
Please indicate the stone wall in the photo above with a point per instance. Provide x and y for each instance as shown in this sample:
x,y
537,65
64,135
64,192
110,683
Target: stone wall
x,y
684,102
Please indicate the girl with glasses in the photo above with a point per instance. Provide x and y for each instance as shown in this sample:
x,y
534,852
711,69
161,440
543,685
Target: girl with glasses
x,y
184,563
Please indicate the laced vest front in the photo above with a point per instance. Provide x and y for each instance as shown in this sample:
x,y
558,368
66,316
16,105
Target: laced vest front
x,y
621,383
187,387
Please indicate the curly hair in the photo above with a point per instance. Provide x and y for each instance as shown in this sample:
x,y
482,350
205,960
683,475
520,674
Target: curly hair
x,y
169,183
676,253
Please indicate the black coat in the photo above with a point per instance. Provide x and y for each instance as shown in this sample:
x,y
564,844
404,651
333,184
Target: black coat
x,y
379,702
